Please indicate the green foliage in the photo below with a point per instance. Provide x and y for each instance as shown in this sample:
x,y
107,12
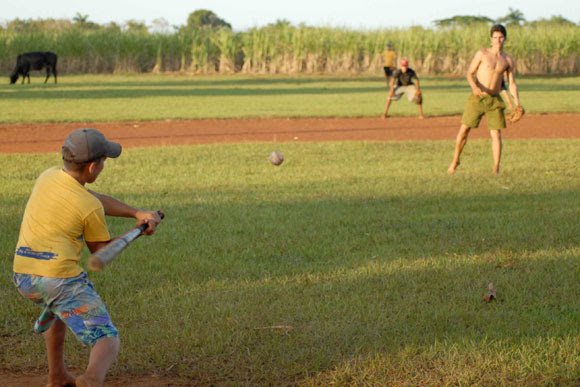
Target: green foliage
x,y
552,21
203,18
515,17
18,26
80,18
462,21
135,26
285,49
351,264
82,21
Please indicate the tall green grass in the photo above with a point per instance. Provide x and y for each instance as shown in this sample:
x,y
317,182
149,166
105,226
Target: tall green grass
x,y
351,264
287,49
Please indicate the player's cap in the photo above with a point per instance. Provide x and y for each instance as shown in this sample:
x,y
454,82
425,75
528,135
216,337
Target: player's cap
x,y
389,45
404,62
84,145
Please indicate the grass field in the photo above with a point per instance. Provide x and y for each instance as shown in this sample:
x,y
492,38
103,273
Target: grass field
x,y
367,268
158,97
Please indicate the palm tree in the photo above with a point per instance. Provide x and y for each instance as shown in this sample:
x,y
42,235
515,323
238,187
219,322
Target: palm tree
x,y
513,18
80,18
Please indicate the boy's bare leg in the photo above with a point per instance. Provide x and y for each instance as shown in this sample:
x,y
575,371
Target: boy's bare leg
x,y
54,341
496,146
102,357
460,142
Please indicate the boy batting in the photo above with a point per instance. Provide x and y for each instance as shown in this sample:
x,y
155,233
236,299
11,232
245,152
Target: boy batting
x,y
61,215
485,75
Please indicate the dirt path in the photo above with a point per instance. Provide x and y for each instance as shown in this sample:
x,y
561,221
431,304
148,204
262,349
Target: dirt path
x,y
49,137
26,380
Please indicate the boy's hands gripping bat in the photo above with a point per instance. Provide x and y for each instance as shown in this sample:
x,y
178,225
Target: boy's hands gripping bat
x,y
104,256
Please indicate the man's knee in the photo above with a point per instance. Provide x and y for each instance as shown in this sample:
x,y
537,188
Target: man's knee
x,y
464,130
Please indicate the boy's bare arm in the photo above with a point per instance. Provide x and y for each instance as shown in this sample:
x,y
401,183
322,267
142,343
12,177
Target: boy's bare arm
x,y
115,207
96,246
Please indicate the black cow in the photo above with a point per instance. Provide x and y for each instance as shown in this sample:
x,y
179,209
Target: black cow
x,y
34,61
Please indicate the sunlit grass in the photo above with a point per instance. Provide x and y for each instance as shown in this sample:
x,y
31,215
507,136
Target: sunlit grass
x,y
159,97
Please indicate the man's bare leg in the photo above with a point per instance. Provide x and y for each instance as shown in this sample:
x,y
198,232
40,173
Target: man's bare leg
x,y
421,116
496,146
102,357
54,341
460,142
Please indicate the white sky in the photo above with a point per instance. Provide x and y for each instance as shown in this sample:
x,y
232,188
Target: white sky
x,y
243,14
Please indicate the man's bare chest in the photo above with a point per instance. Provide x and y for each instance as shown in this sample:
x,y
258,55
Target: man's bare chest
x,y
494,64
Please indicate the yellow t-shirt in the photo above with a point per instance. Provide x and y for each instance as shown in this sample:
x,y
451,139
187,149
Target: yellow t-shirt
x,y
59,216
389,58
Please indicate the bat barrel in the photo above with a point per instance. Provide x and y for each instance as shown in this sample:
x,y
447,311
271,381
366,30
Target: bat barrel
x,y
102,257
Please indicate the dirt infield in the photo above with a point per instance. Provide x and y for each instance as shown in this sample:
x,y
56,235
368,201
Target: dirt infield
x,y
21,138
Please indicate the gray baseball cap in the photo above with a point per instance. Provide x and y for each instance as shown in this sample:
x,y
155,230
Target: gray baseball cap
x,y
84,145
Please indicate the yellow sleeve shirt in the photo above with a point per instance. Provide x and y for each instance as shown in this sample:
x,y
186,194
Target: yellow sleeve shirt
x,y
389,58
60,215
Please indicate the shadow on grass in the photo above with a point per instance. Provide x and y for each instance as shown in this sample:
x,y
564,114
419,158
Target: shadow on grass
x,y
363,277
184,87
324,235
178,80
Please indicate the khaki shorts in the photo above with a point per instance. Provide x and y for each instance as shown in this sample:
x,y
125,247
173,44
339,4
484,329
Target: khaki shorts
x,y
492,106
409,91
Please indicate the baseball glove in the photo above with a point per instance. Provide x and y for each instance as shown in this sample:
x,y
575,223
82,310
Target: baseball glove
x,y
418,98
516,114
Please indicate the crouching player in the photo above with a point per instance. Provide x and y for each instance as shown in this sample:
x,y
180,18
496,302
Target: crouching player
x,y
402,84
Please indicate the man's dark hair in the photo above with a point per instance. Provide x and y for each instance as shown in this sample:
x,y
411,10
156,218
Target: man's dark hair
x,y
498,28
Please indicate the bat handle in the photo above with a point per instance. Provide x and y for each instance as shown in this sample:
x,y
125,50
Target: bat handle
x,y
144,226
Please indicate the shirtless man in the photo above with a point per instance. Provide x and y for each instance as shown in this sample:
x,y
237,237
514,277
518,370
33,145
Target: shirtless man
x,y
485,76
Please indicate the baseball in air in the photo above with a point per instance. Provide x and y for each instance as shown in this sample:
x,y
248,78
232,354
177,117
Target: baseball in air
x,y
276,158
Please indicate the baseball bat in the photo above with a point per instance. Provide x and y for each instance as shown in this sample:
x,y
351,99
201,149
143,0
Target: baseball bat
x,y
104,256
